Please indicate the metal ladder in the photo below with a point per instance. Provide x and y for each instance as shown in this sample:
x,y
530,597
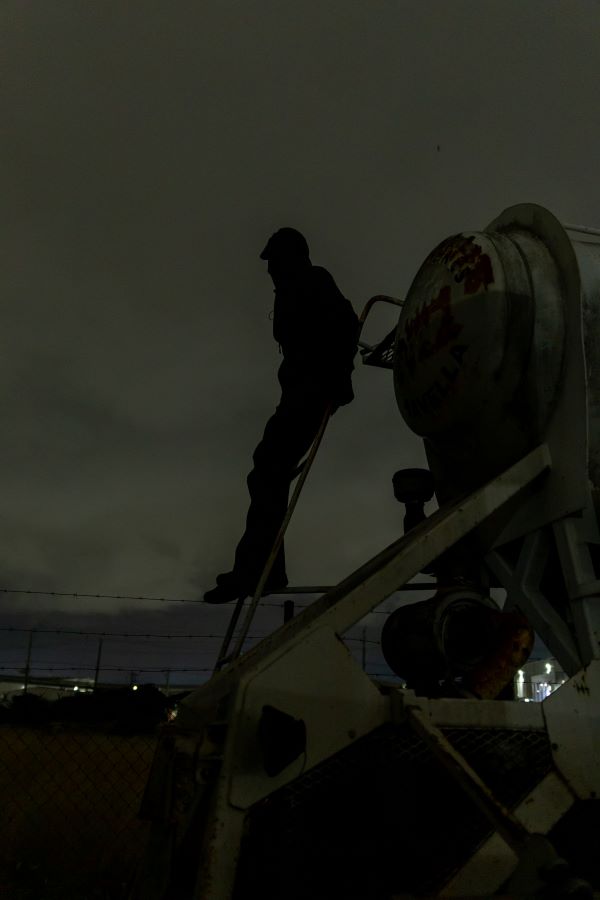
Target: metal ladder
x,y
226,656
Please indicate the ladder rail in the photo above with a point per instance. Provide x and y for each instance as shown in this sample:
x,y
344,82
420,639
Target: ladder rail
x,y
237,649
224,657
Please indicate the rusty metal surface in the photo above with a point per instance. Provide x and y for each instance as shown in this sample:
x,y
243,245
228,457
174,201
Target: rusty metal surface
x,y
514,643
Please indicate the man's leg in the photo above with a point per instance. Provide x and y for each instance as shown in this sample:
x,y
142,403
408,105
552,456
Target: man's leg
x,y
288,436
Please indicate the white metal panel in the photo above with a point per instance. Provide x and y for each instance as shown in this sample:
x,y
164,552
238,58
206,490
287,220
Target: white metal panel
x,y
373,582
567,488
494,861
317,681
586,244
573,721
449,713
522,583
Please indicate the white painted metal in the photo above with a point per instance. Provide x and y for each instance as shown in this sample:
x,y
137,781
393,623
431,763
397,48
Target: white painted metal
x,y
511,830
317,681
497,322
504,322
452,343
298,643
587,252
522,583
496,351
572,716
450,713
221,842
567,429
569,621
574,536
494,861
366,588
583,229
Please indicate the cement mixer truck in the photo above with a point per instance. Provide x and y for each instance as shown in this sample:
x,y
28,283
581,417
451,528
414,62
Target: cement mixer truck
x,y
292,773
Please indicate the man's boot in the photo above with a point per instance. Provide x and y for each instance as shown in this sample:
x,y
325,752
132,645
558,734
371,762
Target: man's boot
x,y
230,586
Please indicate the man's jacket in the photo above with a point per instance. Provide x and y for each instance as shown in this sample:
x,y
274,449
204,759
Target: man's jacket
x,y
317,331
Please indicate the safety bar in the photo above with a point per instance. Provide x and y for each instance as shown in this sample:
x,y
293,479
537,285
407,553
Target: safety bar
x,y
378,298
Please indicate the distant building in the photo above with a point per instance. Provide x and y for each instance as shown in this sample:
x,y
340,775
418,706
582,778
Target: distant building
x,y
538,679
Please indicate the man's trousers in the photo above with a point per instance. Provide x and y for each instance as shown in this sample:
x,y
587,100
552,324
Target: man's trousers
x,y
287,438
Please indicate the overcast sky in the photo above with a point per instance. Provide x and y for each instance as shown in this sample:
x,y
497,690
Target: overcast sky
x,y
148,151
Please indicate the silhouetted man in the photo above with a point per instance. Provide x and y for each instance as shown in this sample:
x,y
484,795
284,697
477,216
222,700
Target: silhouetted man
x,y
317,332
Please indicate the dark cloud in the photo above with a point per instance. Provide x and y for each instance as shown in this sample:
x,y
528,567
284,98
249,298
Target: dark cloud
x,y
149,151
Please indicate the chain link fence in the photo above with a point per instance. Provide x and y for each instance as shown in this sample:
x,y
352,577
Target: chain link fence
x,y
70,799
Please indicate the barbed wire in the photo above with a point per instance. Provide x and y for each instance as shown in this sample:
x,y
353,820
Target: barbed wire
x,y
135,670
77,595
125,634
86,595
145,635
83,595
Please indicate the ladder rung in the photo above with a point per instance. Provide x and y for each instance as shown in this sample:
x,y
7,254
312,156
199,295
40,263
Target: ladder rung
x,y
323,589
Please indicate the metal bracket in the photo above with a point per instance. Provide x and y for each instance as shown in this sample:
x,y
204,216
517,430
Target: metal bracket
x,y
573,536
522,584
572,637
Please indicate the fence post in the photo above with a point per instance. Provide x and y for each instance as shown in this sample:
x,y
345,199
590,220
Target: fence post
x,y
28,661
98,658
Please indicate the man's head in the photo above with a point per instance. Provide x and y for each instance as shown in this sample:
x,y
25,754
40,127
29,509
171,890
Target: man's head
x,y
287,254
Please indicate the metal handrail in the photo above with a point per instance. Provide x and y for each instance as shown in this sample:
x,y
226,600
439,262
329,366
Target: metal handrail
x,y
303,469
378,298
223,658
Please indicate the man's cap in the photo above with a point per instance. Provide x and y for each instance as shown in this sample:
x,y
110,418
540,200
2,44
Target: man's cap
x,y
286,242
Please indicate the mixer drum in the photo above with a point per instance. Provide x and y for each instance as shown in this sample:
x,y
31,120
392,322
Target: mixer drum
x,y
479,353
